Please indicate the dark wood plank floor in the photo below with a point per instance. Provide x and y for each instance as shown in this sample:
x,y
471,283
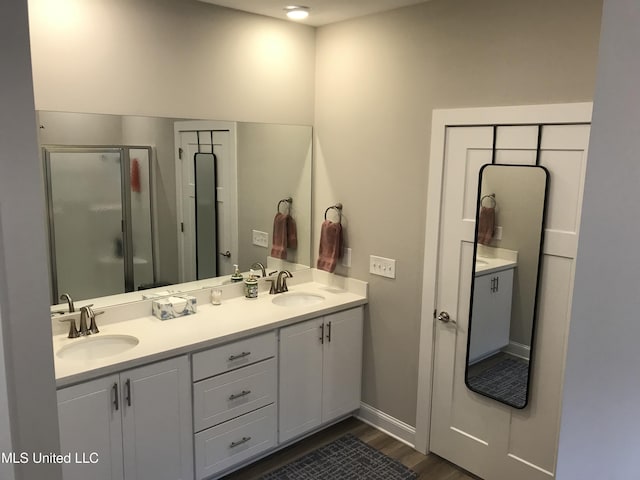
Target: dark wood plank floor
x,y
430,467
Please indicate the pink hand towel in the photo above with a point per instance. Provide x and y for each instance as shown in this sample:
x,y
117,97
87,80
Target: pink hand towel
x,y
486,224
292,233
279,244
330,246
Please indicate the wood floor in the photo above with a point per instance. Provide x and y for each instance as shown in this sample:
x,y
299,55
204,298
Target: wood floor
x,y
430,467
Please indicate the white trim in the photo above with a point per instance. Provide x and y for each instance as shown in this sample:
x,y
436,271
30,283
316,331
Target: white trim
x,y
518,350
386,423
557,113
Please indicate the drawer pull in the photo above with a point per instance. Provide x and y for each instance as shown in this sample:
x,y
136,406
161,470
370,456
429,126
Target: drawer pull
x,y
239,442
240,355
244,393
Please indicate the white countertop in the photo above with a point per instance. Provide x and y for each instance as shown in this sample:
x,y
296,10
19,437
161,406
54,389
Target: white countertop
x,y
212,325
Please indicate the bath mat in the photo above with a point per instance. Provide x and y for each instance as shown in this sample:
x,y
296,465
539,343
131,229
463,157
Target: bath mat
x,y
507,381
346,458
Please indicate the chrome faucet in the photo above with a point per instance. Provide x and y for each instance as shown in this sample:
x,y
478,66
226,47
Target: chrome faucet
x,y
87,312
67,297
279,285
261,267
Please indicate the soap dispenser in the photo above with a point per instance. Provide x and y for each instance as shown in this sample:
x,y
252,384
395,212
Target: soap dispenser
x,y
237,276
251,285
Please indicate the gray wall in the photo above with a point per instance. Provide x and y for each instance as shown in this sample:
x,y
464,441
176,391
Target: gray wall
x,y
171,58
378,79
27,399
600,421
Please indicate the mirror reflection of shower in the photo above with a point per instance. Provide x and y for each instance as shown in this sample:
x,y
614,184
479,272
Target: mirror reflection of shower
x,y
100,227
508,250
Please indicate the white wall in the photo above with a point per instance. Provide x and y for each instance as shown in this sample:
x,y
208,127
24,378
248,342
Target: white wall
x,y
378,80
27,358
600,414
170,58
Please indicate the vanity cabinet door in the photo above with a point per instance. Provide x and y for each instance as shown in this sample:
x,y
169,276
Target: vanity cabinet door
x,y
156,421
89,417
342,364
300,389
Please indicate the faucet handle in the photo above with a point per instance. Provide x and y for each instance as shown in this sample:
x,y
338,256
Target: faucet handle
x,y
272,289
73,331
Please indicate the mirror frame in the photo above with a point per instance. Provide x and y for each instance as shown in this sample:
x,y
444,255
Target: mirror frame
x,y
537,286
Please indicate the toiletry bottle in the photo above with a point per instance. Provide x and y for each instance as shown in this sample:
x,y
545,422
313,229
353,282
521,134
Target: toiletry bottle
x,y
251,286
237,276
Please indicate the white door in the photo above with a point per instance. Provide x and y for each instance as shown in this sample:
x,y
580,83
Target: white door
x,y
206,137
89,416
492,440
300,390
157,422
342,364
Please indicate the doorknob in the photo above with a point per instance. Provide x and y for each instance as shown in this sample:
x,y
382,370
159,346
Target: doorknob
x,y
226,254
445,318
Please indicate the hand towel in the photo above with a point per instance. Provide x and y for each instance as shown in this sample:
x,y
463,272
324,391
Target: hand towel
x,y
330,246
486,224
136,187
292,233
279,243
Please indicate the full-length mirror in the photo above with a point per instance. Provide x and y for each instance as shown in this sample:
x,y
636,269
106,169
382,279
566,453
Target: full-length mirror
x,y
508,250
142,202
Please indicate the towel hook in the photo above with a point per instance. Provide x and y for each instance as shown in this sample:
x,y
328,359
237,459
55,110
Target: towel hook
x,y
337,207
288,201
492,197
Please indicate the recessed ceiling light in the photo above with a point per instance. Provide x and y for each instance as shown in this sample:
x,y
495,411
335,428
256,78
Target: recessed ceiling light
x,y
297,12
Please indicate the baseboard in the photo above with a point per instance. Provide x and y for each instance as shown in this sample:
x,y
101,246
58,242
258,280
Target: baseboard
x,y
518,350
388,424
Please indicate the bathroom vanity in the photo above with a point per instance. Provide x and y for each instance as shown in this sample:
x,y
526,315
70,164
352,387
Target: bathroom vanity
x,y
202,395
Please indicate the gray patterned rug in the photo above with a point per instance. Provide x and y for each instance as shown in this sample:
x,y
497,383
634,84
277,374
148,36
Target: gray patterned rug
x,y
346,458
505,381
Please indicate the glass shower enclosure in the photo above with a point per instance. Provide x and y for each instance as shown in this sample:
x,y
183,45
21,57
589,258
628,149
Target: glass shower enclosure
x,y
100,220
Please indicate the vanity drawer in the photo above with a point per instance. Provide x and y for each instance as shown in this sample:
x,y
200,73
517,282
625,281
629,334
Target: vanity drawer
x,y
221,398
233,355
221,447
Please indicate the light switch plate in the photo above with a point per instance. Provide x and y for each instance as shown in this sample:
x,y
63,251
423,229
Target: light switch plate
x,y
261,239
385,267
346,257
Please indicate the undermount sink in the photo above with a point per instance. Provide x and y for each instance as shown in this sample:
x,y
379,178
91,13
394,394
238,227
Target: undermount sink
x,y
98,346
297,299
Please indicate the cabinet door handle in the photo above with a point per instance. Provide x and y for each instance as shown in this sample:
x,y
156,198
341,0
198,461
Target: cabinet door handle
x,y
239,442
240,355
497,284
127,384
243,393
328,331
116,402
322,334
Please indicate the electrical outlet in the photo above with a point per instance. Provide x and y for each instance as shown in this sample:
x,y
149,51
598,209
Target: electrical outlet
x,y
385,267
497,233
261,239
346,257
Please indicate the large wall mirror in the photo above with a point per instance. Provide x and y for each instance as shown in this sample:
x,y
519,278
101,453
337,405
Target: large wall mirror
x,y
506,273
143,202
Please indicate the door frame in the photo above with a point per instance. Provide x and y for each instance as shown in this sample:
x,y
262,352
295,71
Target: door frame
x,y
203,125
441,119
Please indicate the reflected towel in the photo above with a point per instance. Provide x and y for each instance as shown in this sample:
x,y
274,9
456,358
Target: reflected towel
x,y
330,246
135,176
486,224
279,244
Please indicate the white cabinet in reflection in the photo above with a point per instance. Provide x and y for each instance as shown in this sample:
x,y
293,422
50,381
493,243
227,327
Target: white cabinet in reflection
x,y
492,298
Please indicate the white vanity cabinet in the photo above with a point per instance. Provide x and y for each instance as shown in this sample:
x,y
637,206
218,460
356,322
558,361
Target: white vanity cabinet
x,y
234,403
320,371
492,299
138,422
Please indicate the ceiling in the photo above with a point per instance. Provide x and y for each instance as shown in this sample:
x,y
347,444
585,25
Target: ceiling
x,y
323,12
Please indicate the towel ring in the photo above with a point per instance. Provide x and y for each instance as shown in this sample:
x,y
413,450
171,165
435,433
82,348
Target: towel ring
x,y
288,201
337,207
492,197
